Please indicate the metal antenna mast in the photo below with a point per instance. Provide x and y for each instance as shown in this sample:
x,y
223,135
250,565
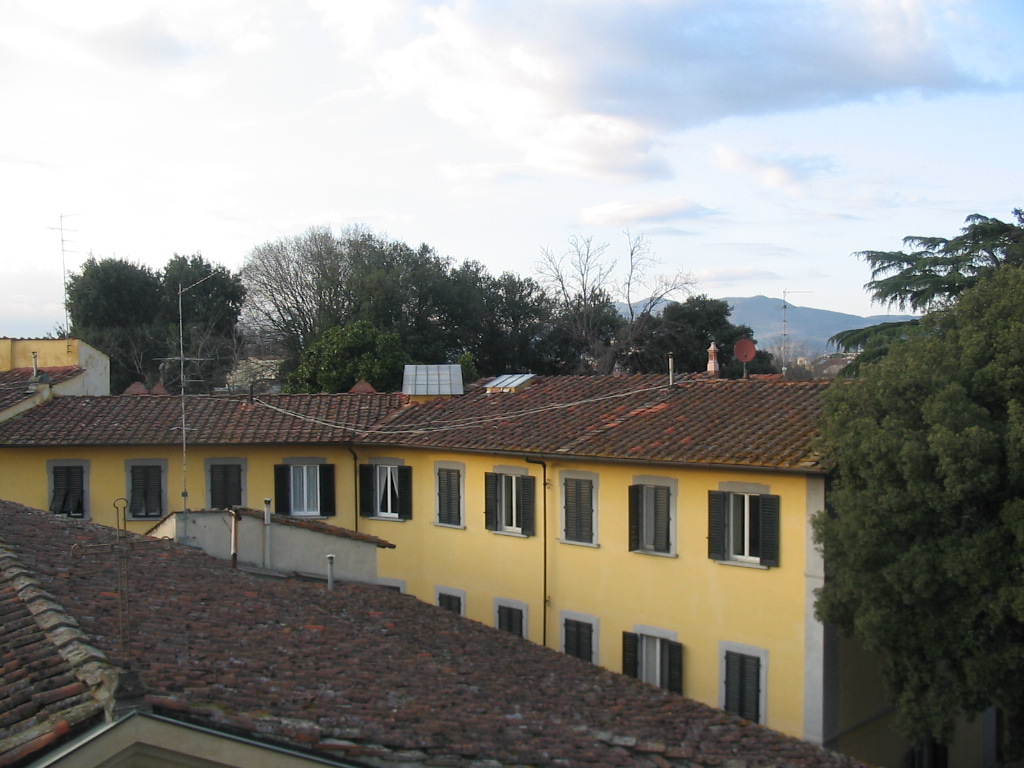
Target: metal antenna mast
x,y
785,325
64,270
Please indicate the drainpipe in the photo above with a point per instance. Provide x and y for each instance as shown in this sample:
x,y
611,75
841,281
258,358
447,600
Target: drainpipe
x,y
330,573
235,516
544,535
355,487
266,533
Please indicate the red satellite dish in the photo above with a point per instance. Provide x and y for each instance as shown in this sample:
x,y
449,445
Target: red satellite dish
x,y
744,350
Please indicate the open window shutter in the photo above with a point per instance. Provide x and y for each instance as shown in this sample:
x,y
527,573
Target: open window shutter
x,y
527,500
154,490
137,503
572,510
405,493
661,519
636,495
750,683
716,524
631,652
75,502
674,651
218,486
325,473
282,489
366,495
733,689
491,501
60,489
770,530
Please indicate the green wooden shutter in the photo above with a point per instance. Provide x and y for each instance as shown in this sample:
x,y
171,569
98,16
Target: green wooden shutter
x,y
631,652
743,685
75,501
510,620
491,501
716,525
218,486
674,652
153,490
586,511
137,502
367,500
60,489
527,502
770,530
449,497
325,480
404,493
662,541
449,602
636,495
733,689
572,510
282,489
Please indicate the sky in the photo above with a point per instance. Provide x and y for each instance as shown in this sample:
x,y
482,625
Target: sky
x,y
756,145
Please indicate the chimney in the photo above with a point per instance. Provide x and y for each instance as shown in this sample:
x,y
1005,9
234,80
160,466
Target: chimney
x,y
713,360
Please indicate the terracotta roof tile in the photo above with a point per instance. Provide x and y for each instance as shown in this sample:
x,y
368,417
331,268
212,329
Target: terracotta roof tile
x,y
367,673
211,420
752,422
14,383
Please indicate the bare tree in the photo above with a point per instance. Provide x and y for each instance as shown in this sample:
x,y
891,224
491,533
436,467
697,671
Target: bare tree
x,y
583,280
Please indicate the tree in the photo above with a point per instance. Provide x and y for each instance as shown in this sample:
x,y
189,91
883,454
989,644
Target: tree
x,y
686,330
131,313
932,274
582,282
345,354
924,544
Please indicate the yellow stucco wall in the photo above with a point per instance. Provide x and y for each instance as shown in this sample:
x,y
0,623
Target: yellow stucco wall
x,y
702,601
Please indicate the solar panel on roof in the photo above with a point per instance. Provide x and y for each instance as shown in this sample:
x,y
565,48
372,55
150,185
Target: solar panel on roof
x,y
432,380
509,381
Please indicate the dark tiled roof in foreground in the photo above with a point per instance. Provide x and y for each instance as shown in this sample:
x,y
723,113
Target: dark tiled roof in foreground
x,y
752,422
14,383
211,420
366,673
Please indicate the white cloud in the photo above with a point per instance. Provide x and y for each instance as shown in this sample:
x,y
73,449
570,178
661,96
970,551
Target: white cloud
x,y
790,172
623,214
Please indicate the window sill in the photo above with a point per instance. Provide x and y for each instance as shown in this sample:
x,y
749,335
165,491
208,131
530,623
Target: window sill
x,y
591,544
741,564
387,519
445,525
653,553
513,534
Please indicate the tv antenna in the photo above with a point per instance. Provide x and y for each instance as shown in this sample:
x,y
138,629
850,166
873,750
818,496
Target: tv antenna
x,y
64,269
785,324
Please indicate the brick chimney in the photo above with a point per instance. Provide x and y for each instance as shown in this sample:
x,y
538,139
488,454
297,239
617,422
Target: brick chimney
x,y
713,360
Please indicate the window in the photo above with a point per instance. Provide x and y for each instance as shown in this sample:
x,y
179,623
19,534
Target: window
x,y
146,491
224,483
743,527
653,659
510,616
385,491
451,600
578,510
744,675
649,519
509,503
449,496
304,488
579,635
743,685
67,488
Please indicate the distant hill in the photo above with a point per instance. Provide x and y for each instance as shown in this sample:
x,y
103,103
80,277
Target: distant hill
x,y
808,329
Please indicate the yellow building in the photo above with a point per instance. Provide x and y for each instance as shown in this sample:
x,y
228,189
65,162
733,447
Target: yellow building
x,y
660,529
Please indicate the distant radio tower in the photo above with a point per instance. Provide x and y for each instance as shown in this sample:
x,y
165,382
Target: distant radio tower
x,y
64,269
785,325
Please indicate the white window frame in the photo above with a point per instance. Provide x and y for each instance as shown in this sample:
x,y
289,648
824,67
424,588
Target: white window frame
x,y
762,683
740,490
650,481
304,490
461,469
594,478
651,641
